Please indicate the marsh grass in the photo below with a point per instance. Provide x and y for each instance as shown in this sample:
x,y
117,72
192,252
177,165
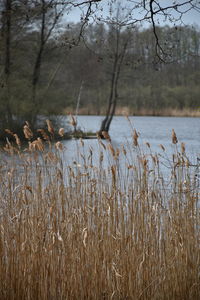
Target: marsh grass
x,y
93,231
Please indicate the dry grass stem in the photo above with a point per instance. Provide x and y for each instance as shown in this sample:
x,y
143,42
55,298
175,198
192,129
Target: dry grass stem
x,y
174,137
114,228
50,127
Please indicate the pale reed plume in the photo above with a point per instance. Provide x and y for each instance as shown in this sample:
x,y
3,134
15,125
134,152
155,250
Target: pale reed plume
x,y
40,144
162,147
36,145
50,127
59,146
27,131
43,134
135,138
106,135
17,140
174,137
8,147
9,132
61,132
183,148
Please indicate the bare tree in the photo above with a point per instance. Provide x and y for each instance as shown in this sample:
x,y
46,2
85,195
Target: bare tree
x,y
50,11
48,14
6,34
120,42
121,37
158,11
138,12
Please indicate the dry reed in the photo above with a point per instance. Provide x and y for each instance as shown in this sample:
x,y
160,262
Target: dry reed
x,y
80,231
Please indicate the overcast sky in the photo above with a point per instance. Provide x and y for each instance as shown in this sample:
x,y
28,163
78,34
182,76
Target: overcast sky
x,y
191,17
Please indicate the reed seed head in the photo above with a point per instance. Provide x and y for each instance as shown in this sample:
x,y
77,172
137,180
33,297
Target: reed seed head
x,y
174,137
106,135
135,138
61,132
183,148
27,131
162,147
50,127
59,146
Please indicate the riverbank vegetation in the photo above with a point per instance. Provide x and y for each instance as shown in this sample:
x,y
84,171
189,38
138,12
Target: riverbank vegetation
x,y
110,225
127,111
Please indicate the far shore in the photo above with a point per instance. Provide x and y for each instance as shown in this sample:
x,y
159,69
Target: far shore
x,y
126,111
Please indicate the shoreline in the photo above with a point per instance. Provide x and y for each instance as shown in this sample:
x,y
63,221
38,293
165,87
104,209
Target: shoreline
x,y
177,115
89,135
126,111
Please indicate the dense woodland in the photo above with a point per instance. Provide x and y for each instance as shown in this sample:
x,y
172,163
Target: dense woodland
x,y
47,64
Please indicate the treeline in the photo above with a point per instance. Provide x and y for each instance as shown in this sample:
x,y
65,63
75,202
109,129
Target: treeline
x,y
45,71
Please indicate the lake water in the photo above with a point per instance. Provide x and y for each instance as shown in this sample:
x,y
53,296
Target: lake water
x,y
154,130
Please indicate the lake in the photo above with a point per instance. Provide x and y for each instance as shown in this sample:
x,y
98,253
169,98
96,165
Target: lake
x,y
154,130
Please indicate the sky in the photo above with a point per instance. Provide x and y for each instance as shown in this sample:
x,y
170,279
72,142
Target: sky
x,y
191,17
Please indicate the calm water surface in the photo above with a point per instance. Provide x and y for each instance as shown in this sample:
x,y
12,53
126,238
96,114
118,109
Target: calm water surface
x,y
155,130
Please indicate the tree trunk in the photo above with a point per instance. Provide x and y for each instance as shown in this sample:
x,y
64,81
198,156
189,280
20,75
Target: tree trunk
x,y
35,80
45,33
8,9
112,102
105,125
37,67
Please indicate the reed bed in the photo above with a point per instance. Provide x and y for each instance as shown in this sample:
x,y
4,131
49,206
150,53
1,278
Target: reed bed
x,y
90,230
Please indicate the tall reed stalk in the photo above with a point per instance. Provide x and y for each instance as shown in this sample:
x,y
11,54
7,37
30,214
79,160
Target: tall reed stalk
x,y
95,231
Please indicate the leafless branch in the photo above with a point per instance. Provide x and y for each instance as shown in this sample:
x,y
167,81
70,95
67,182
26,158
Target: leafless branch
x,y
90,2
158,46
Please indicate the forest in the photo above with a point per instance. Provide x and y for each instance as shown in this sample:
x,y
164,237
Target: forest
x,y
46,64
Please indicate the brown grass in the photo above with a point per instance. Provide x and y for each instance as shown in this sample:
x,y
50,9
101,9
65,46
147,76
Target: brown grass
x,y
126,110
80,231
